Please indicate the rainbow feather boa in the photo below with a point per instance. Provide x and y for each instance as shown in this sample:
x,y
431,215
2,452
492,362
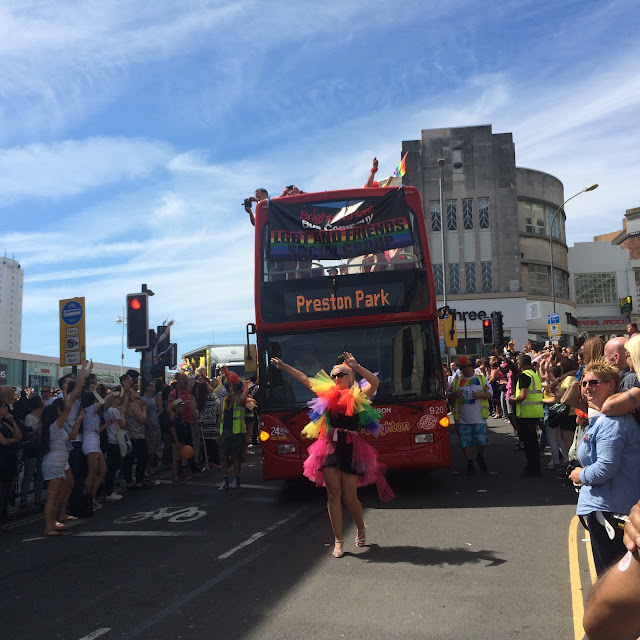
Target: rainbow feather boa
x,y
333,400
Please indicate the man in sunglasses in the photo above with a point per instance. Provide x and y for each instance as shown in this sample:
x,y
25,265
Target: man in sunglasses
x,y
529,413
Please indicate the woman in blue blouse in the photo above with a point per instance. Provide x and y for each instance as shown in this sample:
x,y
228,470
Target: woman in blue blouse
x,y
609,455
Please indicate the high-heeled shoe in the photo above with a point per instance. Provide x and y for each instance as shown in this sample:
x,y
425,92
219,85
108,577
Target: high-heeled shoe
x,y
337,549
361,539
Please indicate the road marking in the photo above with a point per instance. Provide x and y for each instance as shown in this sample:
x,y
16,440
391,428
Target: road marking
x,y
259,534
137,534
590,561
577,596
217,482
203,588
96,634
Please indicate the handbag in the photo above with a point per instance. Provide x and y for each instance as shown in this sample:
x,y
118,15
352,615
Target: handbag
x,y
556,414
124,442
573,398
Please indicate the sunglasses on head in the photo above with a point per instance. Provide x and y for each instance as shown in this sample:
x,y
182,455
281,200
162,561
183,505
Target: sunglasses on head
x,y
340,374
590,383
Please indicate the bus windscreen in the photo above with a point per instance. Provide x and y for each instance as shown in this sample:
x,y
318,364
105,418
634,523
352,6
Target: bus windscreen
x,y
405,358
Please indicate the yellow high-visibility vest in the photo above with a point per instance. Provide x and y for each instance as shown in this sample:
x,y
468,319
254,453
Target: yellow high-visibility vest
x,y
531,406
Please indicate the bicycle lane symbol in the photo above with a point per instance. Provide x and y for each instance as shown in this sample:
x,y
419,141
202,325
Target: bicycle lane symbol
x,y
175,515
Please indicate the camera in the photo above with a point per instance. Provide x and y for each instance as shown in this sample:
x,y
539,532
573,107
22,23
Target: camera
x,y
247,203
566,482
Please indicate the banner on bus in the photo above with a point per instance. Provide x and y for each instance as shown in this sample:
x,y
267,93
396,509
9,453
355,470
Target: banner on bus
x,y
338,230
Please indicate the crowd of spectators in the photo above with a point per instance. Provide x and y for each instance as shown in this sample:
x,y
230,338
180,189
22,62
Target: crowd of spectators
x,y
77,447
584,404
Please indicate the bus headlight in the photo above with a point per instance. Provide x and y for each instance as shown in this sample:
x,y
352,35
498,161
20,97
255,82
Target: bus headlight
x,y
264,436
286,448
421,438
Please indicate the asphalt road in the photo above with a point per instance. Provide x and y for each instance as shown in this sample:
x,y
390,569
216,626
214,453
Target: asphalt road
x,y
488,556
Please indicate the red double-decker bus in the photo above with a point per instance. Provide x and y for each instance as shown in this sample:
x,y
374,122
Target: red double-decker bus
x,y
349,271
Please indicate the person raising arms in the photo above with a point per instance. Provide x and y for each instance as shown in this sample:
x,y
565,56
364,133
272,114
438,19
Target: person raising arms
x,y
341,460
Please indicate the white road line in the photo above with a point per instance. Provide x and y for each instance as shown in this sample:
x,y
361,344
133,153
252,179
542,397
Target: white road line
x,y
96,634
216,483
260,486
260,534
137,534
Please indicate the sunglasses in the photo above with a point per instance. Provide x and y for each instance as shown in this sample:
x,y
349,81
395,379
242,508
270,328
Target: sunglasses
x,y
590,383
340,374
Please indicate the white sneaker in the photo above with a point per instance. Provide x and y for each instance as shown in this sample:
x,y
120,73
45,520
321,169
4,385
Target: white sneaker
x,y
224,485
235,483
113,497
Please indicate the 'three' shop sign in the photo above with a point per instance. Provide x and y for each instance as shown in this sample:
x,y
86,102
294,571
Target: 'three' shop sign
x,y
337,230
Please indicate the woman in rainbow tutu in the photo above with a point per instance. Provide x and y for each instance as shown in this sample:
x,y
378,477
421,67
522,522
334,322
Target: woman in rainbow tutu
x,y
341,459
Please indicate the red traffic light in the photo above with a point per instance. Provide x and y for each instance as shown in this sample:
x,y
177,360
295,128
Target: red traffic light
x,y
135,303
486,323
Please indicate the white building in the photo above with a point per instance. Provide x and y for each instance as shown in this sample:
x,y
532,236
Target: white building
x,y
603,272
11,276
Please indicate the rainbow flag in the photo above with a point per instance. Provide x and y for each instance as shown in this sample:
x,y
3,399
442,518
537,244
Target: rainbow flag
x,y
401,169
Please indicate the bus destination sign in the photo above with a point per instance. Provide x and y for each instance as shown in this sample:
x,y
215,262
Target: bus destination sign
x,y
350,301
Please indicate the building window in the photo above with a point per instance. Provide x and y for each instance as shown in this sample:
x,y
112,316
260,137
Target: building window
x,y
456,159
596,288
561,283
454,279
487,278
437,279
470,277
483,212
452,215
558,227
434,208
467,213
539,279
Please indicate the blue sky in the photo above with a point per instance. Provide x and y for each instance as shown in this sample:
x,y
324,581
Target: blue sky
x,y
130,132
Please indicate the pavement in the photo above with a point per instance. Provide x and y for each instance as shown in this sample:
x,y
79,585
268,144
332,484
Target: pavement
x,y
487,556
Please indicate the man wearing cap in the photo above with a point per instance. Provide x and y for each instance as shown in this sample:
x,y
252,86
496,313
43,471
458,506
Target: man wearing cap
x,y
469,395
134,375
529,413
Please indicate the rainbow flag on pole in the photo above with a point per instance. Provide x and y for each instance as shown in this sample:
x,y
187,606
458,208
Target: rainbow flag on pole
x,y
401,169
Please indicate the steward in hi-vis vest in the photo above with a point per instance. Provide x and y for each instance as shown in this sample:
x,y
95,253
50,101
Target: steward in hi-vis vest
x,y
529,413
232,428
469,395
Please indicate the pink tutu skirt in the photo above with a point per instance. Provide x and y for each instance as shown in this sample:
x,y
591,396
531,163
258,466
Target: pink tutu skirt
x,y
364,462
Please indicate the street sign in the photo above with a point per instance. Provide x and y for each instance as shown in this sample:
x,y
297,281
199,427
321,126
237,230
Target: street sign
x,y
554,330
72,334
553,318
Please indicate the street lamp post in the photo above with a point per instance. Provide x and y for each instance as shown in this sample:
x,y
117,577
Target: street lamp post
x,y
121,320
441,163
553,219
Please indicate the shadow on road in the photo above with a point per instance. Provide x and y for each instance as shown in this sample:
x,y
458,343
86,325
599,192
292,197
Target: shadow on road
x,y
422,556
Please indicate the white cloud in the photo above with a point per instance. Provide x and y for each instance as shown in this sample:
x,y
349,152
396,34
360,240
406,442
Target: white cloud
x,y
71,167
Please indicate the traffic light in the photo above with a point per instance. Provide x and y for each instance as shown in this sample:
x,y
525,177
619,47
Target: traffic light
x,y
498,329
138,320
487,331
171,357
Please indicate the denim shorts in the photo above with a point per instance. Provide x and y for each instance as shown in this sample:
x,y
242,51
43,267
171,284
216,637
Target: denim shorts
x,y
53,471
472,435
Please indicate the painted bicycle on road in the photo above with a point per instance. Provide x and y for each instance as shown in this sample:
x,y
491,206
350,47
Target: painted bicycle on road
x,y
170,514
